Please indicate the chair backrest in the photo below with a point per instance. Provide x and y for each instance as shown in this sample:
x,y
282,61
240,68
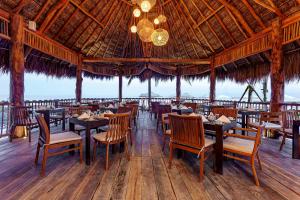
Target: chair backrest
x,y
124,109
163,109
78,109
274,117
135,108
175,102
191,105
20,116
44,136
118,127
154,106
258,132
228,112
187,130
288,117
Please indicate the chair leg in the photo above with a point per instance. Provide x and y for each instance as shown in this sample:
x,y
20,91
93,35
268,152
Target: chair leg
x,y
80,152
29,133
127,150
45,157
171,155
282,142
201,166
37,154
107,156
259,163
164,142
254,172
130,135
95,150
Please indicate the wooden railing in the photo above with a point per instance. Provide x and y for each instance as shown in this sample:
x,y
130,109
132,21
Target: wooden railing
x,y
4,32
143,103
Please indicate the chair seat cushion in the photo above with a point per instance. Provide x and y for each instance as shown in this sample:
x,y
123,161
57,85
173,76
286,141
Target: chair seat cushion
x,y
168,132
64,137
268,125
288,131
237,144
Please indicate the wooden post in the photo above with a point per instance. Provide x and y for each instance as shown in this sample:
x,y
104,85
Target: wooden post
x,y
178,87
277,73
149,93
120,87
212,91
16,60
79,79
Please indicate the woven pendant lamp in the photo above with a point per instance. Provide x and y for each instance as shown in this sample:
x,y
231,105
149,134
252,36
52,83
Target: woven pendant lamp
x,y
146,5
145,29
160,37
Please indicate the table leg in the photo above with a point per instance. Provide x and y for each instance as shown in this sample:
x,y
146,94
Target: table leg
x,y
88,146
64,121
72,128
218,147
243,123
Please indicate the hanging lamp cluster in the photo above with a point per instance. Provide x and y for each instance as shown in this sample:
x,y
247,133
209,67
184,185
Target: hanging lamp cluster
x,y
145,28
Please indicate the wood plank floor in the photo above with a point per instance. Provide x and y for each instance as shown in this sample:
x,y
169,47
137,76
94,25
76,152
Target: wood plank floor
x,y
146,175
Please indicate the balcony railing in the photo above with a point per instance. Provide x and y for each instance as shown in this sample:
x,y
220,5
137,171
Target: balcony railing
x,y
143,104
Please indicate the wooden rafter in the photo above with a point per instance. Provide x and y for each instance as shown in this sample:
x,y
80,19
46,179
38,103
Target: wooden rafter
x,y
271,6
209,16
238,15
52,15
21,5
147,60
86,13
42,10
252,11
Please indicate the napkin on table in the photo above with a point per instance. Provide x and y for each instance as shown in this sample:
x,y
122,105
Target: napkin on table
x,y
111,106
204,118
84,116
223,119
109,112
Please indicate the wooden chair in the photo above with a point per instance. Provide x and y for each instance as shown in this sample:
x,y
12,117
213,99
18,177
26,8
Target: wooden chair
x,y
154,109
272,121
187,133
228,112
245,146
128,109
55,141
161,110
287,125
191,105
78,110
165,127
117,133
134,112
21,117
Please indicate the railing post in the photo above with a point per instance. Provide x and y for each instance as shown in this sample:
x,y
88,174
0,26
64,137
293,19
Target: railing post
x,y
78,90
212,91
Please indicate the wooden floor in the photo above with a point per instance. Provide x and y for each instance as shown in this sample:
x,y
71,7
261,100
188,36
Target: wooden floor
x,y
146,175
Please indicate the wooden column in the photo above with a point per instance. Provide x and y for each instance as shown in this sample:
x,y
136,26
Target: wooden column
x,y
178,87
149,93
277,73
79,79
212,89
120,87
16,60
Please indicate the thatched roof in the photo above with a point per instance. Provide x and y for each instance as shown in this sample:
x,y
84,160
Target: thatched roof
x,y
198,29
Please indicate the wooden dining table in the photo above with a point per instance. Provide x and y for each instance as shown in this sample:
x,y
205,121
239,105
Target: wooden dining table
x,y
88,124
218,146
245,114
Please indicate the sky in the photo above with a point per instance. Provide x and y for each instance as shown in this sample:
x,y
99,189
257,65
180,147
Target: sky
x,y
41,87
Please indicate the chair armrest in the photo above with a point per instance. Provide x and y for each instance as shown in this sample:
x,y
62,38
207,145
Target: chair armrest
x,y
240,136
244,129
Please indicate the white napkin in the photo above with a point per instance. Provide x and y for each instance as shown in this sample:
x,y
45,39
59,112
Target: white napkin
x,y
111,106
174,107
193,114
84,116
184,108
42,108
109,112
204,118
223,119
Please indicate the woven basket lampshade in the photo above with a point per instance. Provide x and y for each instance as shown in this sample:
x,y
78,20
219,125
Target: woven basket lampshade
x,y
146,5
162,18
160,37
145,28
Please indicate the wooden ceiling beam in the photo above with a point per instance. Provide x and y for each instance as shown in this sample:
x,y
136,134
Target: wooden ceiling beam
x,y
147,60
86,13
236,23
20,6
238,15
42,10
252,11
52,15
271,7
209,16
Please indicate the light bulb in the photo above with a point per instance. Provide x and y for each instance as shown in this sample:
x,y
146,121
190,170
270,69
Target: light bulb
x,y
156,21
145,6
133,29
159,37
136,12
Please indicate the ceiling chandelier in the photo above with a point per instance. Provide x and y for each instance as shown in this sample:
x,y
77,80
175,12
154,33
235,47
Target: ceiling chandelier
x,y
145,28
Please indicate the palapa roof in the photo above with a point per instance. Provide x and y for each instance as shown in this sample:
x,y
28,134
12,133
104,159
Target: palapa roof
x,y
199,29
